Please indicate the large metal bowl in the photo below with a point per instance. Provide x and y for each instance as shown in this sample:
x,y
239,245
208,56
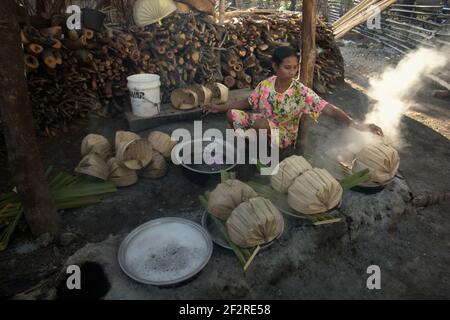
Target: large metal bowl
x,y
165,251
203,173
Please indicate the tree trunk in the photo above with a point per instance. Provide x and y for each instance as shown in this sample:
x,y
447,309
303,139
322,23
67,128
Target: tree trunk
x,y
25,163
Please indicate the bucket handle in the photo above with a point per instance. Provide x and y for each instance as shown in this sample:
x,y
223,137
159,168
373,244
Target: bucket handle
x,y
153,103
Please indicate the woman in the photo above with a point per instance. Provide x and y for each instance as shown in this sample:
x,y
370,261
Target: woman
x,y
279,101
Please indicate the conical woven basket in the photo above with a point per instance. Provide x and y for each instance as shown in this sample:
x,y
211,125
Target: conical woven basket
x,y
157,167
204,94
161,142
381,159
184,99
219,93
135,154
124,136
254,222
315,191
98,144
119,175
93,165
227,196
289,169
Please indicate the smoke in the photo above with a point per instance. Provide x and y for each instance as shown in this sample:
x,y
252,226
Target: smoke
x,y
392,93
394,89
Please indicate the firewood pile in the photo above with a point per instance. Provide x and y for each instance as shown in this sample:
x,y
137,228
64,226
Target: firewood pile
x,y
182,51
251,39
71,76
82,71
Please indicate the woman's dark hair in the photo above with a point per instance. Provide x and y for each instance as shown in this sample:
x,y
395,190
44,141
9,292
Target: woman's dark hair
x,y
282,53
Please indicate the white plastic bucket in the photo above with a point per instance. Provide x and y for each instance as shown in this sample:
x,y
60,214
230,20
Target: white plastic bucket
x,y
145,94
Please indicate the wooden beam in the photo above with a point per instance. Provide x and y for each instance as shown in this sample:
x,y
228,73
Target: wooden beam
x,y
308,42
308,59
221,11
24,160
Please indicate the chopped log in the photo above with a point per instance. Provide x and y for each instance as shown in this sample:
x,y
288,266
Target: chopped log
x,y
31,62
244,77
49,59
34,48
88,33
23,37
54,32
241,85
58,57
195,56
76,44
57,44
84,55
73,35
229,81
135,55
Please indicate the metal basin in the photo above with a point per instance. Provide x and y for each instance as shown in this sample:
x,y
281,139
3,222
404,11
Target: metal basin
x,y
165,251
212,156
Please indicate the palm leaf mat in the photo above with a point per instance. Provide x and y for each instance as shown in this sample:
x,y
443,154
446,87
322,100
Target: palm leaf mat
x,y
68,192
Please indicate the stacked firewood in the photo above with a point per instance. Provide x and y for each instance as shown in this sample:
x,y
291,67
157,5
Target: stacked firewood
x,y
181,50
251,39
71,73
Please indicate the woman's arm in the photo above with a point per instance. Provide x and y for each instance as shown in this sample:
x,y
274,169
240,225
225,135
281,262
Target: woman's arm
x,y
341,116
215,108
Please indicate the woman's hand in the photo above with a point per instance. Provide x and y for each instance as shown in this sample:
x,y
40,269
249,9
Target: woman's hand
x,y
369,127
214,108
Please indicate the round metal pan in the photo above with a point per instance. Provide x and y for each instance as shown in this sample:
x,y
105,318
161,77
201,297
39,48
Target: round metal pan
x,y
204,173
165,251
218,238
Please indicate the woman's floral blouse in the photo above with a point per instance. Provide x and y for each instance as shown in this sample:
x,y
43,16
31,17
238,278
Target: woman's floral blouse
x,y
282,110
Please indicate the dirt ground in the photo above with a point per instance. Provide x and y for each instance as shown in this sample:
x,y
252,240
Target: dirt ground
x,y
413,258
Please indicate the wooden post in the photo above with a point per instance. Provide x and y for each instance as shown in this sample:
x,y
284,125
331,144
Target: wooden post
x,y
308,57
24,160
308,42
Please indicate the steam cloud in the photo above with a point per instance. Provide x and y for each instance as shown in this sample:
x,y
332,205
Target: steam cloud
x,y
393,90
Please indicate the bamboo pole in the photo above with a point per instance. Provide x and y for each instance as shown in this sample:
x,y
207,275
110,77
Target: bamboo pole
x,y
362,17
352,12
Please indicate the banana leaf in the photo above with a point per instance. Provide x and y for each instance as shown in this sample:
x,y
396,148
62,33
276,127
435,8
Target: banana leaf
x,y
68,191
244,255
6,233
